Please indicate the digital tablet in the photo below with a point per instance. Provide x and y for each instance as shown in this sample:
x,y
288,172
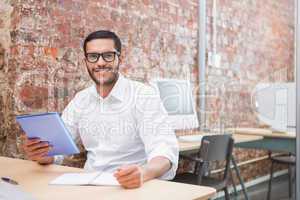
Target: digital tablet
x,y
49,127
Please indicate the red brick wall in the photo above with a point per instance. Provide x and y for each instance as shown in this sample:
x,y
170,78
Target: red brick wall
x,y
43,42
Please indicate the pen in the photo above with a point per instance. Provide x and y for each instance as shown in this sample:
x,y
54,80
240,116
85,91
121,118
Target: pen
x,y
9,180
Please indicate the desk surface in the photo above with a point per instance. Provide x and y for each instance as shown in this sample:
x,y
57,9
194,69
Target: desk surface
x,y
262,132
34,178
238,138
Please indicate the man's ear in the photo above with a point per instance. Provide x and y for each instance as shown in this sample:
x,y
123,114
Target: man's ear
x,y
120,58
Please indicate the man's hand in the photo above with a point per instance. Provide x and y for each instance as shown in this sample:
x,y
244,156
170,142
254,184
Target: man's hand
x,y
36,150
133,176
130,176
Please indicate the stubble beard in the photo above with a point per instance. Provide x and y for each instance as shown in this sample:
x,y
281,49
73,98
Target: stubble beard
x,y
111,81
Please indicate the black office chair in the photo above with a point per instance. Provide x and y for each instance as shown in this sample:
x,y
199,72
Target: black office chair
x,y
289,160
213,148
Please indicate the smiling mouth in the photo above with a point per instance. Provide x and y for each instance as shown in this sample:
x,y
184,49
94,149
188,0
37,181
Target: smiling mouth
x,y
105,69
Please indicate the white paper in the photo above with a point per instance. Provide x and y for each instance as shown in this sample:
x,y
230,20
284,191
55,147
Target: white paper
x,y
92,178
105,179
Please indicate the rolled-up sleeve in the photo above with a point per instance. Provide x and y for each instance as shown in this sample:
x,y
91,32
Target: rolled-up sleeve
x,y
157,135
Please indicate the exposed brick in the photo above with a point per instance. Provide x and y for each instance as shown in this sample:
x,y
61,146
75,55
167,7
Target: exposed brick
x,y
50,51
34,96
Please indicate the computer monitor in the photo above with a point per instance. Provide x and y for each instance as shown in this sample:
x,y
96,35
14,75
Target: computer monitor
x,y
177,98
276,105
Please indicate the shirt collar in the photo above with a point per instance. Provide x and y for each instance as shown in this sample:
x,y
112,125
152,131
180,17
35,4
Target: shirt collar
x,y
117,92
119,88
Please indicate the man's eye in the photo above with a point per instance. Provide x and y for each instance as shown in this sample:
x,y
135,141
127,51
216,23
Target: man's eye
x,y
108,55
93,56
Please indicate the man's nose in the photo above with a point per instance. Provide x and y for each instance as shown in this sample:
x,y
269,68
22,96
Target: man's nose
x,y
100,61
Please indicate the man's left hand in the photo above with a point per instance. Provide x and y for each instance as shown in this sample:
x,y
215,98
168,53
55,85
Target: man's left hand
x,y
130,176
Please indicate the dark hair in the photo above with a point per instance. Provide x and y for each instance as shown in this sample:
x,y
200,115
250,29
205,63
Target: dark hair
x,y
103,34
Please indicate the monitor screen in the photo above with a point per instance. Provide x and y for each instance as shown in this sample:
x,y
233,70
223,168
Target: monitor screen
x,y
176,96
276,105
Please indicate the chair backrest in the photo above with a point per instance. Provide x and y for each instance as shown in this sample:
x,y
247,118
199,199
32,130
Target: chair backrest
x,y
219,148
201,167
215,148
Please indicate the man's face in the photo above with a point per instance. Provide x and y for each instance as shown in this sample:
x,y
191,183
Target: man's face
x,y
103,68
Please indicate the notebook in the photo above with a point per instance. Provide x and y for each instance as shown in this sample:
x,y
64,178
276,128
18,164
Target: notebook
x,y
88,178
49,127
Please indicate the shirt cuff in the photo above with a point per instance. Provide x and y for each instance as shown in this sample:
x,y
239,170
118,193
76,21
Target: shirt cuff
x,y
58,160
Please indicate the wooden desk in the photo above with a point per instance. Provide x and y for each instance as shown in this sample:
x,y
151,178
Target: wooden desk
x,y
272,141
262,132
34,179
238,138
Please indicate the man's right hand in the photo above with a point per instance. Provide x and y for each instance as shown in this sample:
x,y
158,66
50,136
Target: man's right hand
x,y
36,150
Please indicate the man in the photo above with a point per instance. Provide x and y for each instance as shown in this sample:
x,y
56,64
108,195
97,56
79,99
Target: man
x,y
120,122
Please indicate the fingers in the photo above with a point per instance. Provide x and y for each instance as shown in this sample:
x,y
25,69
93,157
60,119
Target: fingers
x,y
130,176
132,184
125,170
35,149
27,142
39,151
30,142
38,145
38,156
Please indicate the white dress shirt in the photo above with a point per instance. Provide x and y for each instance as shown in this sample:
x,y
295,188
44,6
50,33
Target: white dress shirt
x,y
126,127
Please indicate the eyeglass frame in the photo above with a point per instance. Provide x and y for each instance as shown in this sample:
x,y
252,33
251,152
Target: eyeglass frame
x,y
101,55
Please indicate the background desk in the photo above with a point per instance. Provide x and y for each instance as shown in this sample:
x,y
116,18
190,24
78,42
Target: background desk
x,y
34,178
238,139
272,141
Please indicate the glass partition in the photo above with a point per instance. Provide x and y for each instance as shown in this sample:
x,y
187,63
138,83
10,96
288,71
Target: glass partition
x,y
251,88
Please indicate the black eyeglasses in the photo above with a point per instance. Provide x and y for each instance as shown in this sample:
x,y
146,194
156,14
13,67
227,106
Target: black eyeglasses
x,y
106,56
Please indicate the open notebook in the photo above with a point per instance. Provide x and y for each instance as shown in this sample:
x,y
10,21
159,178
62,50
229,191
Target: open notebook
x,y
90,178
